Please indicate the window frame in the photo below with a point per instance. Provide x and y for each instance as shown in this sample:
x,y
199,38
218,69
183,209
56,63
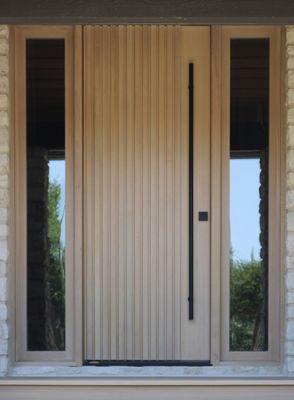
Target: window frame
x,y
220,185
72,355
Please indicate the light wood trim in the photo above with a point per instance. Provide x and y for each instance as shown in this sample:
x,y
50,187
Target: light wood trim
x,y
12,226
78,195
216,115
152,381
73,137
273,33
283,189
199,55
88,148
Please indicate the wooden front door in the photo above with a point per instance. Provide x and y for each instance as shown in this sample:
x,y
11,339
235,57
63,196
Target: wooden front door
x,y
136,153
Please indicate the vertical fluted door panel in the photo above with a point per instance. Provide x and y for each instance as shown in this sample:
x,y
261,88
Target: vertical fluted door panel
x,y
136,192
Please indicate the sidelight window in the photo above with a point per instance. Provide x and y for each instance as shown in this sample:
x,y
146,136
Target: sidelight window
x,y
47,194
250,194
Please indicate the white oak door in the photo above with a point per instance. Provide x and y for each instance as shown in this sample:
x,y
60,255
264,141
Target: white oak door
x,y
138,116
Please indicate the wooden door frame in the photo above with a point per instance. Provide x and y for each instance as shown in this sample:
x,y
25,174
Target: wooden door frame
x,y
73,137
220,189
216,190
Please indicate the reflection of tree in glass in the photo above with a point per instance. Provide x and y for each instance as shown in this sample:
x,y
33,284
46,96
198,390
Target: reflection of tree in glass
x,y
246,300
55,299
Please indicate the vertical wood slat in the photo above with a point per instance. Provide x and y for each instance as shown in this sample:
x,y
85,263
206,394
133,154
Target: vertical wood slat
x,y
97,273
105,165
114,220
138,153
136,175
146,273
154,184
122,200
177,198
130,195
89,328
170,195
161,278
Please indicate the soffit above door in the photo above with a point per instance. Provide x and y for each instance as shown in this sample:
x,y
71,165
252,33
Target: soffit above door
x,y
147,11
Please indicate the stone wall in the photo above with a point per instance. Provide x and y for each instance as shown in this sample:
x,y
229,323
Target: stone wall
x,y
289,270
4,196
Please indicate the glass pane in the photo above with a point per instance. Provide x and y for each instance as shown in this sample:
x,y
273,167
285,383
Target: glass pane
x,y
45,195
249,140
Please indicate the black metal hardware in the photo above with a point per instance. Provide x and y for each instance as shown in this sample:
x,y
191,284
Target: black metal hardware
x,y
149,363
191,191
203,216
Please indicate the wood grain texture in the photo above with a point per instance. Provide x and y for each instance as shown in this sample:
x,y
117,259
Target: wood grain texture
x,y
136,231
215,193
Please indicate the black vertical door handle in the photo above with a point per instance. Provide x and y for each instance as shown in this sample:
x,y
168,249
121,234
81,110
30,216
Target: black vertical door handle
x,y
191,191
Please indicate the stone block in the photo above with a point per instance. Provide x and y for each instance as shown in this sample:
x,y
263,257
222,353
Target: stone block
x,y
4,84
3,46
3,288
290,180
4,181
3,102
4,196
289,219
290,95
290,244
289,63
3,230
3,365
3,330
290,115
290,50
4,31
4,118
290,79
3,249
290,296
290,200
290,280
290,35
3,311
3,346
289,348
290,329
4,65
290,311
290,133
3,214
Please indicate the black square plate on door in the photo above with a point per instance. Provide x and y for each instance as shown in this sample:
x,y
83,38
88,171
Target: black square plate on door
x,y
203,216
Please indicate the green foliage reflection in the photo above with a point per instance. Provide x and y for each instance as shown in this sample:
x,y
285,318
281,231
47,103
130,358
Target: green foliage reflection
x,y
55,303
246,305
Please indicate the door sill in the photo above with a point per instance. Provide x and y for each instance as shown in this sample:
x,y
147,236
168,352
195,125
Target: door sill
x,y
147,363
